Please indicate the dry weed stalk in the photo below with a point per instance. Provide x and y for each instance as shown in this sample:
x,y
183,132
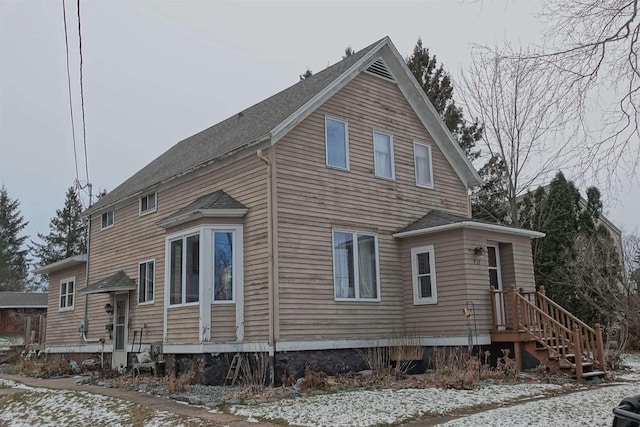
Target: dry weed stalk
x,y
254,368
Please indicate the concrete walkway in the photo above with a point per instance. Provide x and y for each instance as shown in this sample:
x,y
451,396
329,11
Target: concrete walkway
x,y
145,399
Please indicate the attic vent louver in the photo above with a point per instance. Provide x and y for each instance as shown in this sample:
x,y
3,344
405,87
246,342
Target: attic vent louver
x,y
380,69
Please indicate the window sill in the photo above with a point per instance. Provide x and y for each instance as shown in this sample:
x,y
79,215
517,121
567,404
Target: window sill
x,y
338,168
146,303
425,302
188,304
223,302
107,227
62,310
145,213
386,178
430,187
357,300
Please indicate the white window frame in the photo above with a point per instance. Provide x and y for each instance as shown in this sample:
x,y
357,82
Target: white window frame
x,y
155,204
146,263
67,307
183,274
417,299
206,279
356,271
392,158
237,262
113,219
415,163
346,143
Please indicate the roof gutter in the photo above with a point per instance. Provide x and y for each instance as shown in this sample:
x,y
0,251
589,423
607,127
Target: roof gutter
x,y
473,225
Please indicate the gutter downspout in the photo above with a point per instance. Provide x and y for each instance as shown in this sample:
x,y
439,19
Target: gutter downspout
x,y
271,280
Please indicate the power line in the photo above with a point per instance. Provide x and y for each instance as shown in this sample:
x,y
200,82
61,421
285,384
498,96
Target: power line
x,y
73,127
84,128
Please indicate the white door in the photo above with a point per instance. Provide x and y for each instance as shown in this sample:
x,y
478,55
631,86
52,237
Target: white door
x,y
495,280
120,326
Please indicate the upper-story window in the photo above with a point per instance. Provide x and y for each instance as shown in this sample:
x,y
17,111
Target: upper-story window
x,y
148,203
383,154
146,281
355,266
107,219
337,143
67,292
423,164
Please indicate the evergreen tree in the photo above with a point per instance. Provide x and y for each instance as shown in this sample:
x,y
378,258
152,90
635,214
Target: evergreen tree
x,y
13,257
576,261
67,233
488,202
437,85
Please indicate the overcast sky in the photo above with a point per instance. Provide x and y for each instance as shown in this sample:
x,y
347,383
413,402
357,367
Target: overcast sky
x,y
156,72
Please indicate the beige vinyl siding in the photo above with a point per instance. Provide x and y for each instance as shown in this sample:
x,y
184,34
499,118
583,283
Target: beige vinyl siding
x,y
184,325
135,238
478,276
312,199
223,322
63,327
444,318
463,277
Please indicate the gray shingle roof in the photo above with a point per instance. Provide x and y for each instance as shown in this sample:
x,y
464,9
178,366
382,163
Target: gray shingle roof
x,y
231,134
23,300
116,282
438,218
218,201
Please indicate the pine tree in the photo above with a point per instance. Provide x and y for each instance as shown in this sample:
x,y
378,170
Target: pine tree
x,y
437,85
67,233
13,258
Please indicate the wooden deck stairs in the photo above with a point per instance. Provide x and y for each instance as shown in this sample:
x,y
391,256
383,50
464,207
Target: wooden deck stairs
x,y
548,332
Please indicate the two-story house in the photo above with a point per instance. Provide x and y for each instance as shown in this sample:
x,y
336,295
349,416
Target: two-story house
x,y
331,216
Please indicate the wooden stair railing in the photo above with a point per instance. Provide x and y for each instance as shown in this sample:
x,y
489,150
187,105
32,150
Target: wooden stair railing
x,y
563,335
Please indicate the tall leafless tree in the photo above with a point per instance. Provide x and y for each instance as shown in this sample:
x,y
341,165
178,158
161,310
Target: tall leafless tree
x,y
593,46
522,109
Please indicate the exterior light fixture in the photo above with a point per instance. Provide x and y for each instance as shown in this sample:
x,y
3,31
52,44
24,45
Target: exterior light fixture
x,y
108,308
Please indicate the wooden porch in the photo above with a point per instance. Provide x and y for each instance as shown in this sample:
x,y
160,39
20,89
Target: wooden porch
x,y
556,338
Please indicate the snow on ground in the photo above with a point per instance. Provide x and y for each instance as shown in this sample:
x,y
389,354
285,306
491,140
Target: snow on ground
x,y
586,408
7,340
590,407
356,408
45,407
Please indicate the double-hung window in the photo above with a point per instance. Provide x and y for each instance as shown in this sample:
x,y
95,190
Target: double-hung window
x,y
107,219
424,275
184,270
67,293
146,281
337,143
383,155
148,203
423,164
355,266
223,256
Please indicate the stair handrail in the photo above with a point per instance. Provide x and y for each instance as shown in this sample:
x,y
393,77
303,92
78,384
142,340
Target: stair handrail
x,y
542,294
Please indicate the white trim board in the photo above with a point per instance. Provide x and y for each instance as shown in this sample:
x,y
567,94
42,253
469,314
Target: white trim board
x,y
473,225
229,347
382,342
92,348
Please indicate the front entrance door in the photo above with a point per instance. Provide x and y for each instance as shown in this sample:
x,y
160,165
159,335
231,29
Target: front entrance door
x,y
495,280
120,326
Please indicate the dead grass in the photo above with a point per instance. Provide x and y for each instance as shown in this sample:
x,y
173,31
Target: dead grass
x,y
457,369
